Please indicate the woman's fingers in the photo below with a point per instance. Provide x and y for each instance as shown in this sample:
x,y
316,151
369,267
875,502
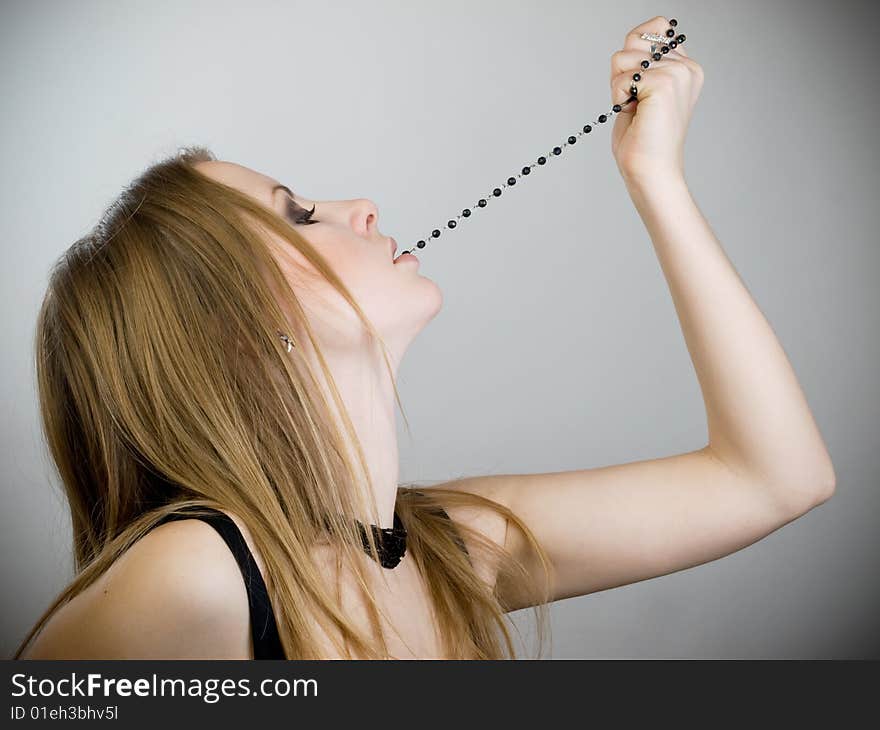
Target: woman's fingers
x,y
620,90
626,64
630,60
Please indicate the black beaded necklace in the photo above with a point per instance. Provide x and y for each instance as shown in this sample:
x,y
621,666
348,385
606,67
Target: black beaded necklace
x,y
557,150
391,541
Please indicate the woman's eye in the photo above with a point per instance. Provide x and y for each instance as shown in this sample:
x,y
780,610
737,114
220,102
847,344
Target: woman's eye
x,y
300,215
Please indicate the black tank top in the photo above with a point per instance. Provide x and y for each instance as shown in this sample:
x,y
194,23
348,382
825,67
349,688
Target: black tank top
x,y
264,630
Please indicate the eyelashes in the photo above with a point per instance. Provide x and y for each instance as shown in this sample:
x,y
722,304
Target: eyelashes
x,y
300,215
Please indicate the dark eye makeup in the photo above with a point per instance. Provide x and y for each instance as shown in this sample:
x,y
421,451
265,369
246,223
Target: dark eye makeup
x,y
295,212
299,214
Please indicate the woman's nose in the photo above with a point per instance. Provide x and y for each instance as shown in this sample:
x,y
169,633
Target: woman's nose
x,y
364,216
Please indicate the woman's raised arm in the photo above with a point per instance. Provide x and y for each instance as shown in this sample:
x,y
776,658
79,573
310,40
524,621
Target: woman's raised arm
x,y
765,462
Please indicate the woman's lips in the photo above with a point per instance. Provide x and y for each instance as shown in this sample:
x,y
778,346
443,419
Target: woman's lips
x,y
406,257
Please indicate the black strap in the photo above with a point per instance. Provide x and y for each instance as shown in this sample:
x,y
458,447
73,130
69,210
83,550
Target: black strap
x,y
264,630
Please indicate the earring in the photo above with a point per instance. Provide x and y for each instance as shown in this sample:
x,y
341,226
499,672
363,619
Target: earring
x,y
287,340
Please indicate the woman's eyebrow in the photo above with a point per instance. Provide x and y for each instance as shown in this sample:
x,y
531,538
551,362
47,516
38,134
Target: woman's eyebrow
x,y
284,188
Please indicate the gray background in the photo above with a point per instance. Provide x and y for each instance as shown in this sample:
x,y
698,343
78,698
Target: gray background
x,y
558,346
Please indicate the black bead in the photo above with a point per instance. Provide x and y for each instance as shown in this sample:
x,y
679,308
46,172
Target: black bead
x,y
603,118
587,129
482,203
672,44
645,64
670,33
496,192
466,213
637,77
511,181
451,224
656,56
435,233
572,139
680,38
557,150
616,108
542,160
633,90
526,170
665,49
673,22
421,244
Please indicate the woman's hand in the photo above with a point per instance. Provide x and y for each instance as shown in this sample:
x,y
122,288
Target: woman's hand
x,y
648,135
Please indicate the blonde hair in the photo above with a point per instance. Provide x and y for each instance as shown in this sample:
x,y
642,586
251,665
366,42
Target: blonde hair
x,y
163,384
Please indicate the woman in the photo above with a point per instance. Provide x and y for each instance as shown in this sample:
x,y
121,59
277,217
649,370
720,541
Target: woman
x,y
217,376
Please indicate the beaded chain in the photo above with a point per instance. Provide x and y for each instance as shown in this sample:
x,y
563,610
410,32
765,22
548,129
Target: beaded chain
x,y
391,542
675,40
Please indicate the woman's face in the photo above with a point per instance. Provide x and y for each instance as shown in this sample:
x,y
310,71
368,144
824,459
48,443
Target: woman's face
x,y
396,298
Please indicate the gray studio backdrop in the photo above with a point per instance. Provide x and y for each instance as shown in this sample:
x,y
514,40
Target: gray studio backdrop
x,y
558,346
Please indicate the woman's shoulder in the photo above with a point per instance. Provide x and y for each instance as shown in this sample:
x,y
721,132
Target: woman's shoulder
x,y
177,593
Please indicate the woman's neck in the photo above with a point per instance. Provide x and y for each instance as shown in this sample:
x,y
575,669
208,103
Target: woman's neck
x,y
364,385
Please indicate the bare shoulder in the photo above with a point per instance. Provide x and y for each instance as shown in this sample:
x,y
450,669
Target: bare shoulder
x,y
177,593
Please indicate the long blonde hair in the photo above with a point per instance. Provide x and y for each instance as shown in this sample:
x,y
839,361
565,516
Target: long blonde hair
x,y
163,384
